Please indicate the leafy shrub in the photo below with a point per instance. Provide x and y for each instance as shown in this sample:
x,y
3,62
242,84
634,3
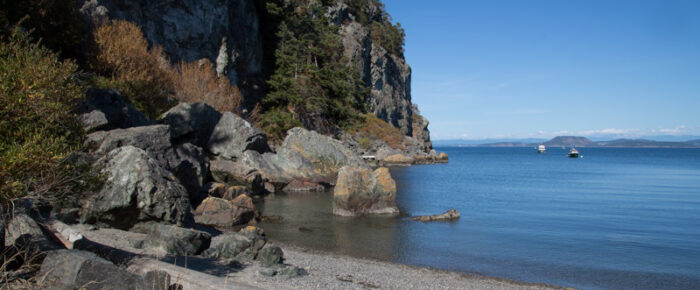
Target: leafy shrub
x,y
373,128
38,132
276,122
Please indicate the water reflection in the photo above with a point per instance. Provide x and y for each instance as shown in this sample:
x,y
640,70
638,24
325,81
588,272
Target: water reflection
x,y
308,221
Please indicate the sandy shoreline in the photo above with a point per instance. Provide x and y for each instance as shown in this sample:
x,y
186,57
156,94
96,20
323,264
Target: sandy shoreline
x,y
333,271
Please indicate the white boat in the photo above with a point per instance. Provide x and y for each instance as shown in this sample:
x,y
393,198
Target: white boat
x,y
541,149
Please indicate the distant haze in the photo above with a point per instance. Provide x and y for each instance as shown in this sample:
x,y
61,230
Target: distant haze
x,y
539,69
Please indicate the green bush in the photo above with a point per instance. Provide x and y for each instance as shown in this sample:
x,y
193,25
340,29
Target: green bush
x,y
38,131
276,122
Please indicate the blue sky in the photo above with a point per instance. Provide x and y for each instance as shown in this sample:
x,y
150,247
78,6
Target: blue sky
x,y
520,69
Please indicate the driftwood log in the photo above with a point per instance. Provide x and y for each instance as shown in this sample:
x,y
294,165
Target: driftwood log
x,y
451,214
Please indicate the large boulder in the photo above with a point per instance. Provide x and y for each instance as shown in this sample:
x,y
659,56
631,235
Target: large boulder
x,y
233,135
361,191
325,154
186,160
192,122
173,239
219,212
137,189
107,109
74,269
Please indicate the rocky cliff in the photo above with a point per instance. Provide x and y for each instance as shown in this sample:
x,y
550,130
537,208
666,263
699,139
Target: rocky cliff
x,y
228,33
388,75
225,32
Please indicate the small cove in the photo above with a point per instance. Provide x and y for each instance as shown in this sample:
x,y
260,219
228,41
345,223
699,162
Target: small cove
x,y
617,218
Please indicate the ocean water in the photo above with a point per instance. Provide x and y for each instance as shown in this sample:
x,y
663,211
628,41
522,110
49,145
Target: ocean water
x,y
616,218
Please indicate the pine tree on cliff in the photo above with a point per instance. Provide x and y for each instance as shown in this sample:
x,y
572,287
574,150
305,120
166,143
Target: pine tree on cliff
x,y
313,84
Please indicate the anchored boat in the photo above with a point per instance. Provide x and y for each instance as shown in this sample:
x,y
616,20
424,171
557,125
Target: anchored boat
x,y
573,153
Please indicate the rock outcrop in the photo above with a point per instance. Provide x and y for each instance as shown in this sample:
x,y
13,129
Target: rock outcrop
x,y
361,191
224,32
137,189
387,74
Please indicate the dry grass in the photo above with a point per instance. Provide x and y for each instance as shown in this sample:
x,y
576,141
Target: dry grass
x,y
147,78
375,128
197,82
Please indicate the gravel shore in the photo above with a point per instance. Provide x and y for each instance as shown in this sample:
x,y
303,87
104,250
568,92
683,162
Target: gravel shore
x,y
331,271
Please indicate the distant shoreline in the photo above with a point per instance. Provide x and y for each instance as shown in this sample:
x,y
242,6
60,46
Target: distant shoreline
x,y
576,141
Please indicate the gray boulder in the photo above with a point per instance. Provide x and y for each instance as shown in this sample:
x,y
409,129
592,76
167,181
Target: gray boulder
x,y
236,173
233,135
107,109
74,269
173,239
186,161
138,189
361,191
192,122
229,246
246,245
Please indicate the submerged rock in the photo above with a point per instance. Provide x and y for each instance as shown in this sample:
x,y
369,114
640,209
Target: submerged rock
x,y
451,214
361,191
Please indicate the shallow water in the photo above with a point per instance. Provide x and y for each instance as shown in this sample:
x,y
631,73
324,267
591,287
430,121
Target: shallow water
x,y
617,218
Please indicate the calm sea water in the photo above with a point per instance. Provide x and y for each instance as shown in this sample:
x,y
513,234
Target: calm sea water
x,y
616,218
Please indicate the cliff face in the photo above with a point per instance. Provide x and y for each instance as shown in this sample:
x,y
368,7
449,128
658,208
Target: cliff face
x,y
388,75
224,31
227,32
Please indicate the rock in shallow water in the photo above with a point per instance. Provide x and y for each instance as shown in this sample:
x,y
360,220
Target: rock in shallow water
x,y
361,191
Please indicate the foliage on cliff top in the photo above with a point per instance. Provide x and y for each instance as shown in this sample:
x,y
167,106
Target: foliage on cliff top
x,y
374,128
313,83
146,77
38,131
372,14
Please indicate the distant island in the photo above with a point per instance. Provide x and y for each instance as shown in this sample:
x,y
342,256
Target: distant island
x,y
577,141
